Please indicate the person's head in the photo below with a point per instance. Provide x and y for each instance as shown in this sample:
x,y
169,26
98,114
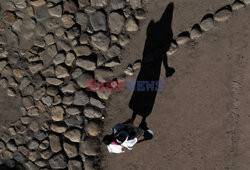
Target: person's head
x,y
121,137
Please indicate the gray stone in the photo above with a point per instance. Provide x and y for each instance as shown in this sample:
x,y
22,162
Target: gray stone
x,y
83,3
73,33
86,63
237,5
68,20
222,15
52,90
98,21
70,149
41,135
55,143
195,32
90,146
116,22
70,6
34,126
52,50
100,41
91,112
93,127
58,127
33,145
73,110
49,39
54,81
82,80
70,57
246,2
30,166
82,20
114,51
104,74
59,58
136,4
117,4
44,145
28,102
74,121
97,103
20,4
17,25
140,14
82,50
41,30
47,100
64,45
61,72
84,38
113,62
182,38
77,73
103,94
19,157
57,113
11,146
207,23
81,98
58,161
74,135
74,165
131,25
55,11
69,88
46,154
99,3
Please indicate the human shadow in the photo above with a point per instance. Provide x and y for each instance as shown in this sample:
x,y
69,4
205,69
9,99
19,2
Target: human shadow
x,y
158,41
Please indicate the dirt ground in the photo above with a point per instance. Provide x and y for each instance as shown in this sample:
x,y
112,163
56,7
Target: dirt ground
x,y
200,119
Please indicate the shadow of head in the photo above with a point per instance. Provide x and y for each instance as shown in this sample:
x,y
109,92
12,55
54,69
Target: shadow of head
x,y
159,34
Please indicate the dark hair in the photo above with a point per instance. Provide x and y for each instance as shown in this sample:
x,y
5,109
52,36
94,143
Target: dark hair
x,y
108,139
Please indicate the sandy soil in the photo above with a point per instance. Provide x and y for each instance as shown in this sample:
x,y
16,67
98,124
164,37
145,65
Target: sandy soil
x,y
200,119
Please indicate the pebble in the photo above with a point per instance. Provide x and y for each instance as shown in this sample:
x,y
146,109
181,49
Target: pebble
x,y
183,38
135,4
34,126
116,22
73,33
113,62
59,58
8,17
91,112
33,156
30,166
19,157
90,146
11,146
82,80
41,135
11,92
20,4
98,21
58,161
33,112
81,98
89,164
69,6
61,72
69,88
100,41
70,57
207,23
82,50
23,150
114,51
33,145
47,100
37,3
83,3
57,100
86,63
52,90
46,154
52,50
55,11
41,30
74,121
57,113
44,145
137,65
117,4
173,48
54,81
28,102
74,135
64,45
237,5
100,60
104,74
246,2
93,128
58,128
74,165
30,11
76,73
82,20
195,32
17,25
68,20
70,149
55,143
98,3
129,71
131,25
41,163
222,15
73,110
140,14
49,39
84,39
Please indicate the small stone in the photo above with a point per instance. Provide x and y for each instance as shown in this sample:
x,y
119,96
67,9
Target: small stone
x,y
41,163
67,20
73,110
69,88
183,38
207,23
3,83
44,145
47,100
93,128
90,146
11,146
84,38
116,22
69,6
237,5
20,4
82,50
82,80
246,2
82,20
131,25
86,63
61,72
77,73
100,41
98,21
195,32
81,98
117,4
35,67
41,135
135,4
74,121
58,161
70,149
137,65
129,71
74,165
222,15
46,154
55,143
98,3
19,157
23,150
59,58
74,135
70,57
104,74
113,62
11,92
52,50
33,145
49,39
63,45
33,112
41,30
28,102
12,82
38,94
33,156
57,113
37,2
30,11
140,14
114,51
68,100
17,25
173,48
97,103
8,17
34,126
58,128
91,112
50,71
83,3
54,81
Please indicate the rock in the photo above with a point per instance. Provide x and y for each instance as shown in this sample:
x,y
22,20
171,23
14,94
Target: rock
x,y
3,63
12,39
35,67
57,113
82,50
195,32
135,4
52,50
116,22
63,45
70,149
91,112
61,72
222,15
34,126
84,39
93,128
49,39
117,4
11,92
41,135
41,30
46,154
183,38
54,81
28,102
129,71
89,164
100,41
246,2
74,121
33,156
19,157
59,58
83,3
131,25
82,80
23,150
207,23
82,20
20,4
140,14
77,73
90,146
68,100
30,166
81,98
104,74
11,146
173,48
98,3
68,20
69,88
58,127
98,21
33,112
74,135
237,5
69,6
37,2
47,100
97,103
17,25
33,145
73,33
52,90
113,62
58,161
41,163
55,11
73,110
55,143
8,17
114,51
44,145
70,57
74,165
86,63
137,65
3,39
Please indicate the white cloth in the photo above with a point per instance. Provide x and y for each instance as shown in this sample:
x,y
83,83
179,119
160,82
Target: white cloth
x,y
119,148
